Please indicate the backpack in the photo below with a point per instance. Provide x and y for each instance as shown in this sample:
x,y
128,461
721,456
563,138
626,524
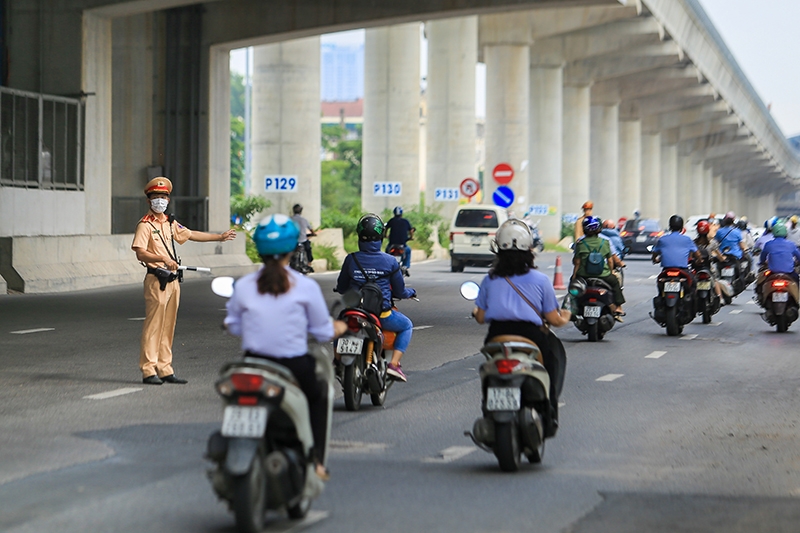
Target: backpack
x,y
371,293
595,262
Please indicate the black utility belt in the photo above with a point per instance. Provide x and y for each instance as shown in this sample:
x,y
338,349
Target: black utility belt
x,y
165,276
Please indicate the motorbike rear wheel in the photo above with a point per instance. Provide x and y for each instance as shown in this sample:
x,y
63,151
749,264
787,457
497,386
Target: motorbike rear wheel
x,y
378,399
299,510
353,375
506,446
673,328
537,455
781,324
592,332
707,312
250,497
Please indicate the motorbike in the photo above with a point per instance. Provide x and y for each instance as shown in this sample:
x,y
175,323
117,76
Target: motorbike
x,y
515,402
538,243
707,301
397,251
262,455
779,299
675,305
591,306
299,260
730,277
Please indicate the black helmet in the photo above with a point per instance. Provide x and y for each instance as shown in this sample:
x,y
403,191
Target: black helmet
x,y
675,223
370,228
297,209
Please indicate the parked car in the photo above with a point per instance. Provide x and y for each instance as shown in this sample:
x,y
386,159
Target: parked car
x,y
471,232
641,235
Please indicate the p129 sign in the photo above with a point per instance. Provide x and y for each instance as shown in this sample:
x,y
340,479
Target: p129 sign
x,y
446,195
387,188
280,183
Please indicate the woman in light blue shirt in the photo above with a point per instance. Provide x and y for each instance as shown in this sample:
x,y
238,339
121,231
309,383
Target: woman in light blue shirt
x,y
275,309
508,313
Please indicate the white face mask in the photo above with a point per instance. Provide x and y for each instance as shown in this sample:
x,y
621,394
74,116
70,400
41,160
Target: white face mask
x,y
159,205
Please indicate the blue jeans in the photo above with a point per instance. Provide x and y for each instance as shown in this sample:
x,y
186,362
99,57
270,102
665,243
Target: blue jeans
x,y
400,324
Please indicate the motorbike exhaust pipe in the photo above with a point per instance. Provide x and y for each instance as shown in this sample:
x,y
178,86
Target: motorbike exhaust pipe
x,y
374,379
483,430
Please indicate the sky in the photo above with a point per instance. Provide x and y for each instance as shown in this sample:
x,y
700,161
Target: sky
x,y
762,35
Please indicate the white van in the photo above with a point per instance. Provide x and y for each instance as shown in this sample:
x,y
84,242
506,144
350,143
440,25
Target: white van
x,y
472,230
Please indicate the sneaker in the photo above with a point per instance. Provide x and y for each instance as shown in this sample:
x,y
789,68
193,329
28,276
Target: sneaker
x,y
396,372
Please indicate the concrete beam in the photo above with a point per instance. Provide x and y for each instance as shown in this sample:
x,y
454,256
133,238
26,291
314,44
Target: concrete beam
x,y
643,84
745,148
684,117
605,67
704,129
671,102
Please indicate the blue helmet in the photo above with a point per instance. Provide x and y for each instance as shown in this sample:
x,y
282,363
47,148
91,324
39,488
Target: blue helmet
x,y
276,235
398,211
771,222
591,224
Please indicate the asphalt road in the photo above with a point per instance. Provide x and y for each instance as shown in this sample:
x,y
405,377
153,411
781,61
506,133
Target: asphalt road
x,y
695,433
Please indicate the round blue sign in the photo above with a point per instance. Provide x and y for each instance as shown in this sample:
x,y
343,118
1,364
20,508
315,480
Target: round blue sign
x,y
503,196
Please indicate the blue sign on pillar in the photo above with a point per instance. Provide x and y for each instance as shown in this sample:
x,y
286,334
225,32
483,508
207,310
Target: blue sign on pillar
x,y
503,196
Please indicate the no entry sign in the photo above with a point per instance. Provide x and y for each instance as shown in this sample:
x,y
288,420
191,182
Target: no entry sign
x,y
503,173
470,187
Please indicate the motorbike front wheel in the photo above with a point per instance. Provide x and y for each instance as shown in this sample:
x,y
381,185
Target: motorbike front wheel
x,y
299,510
506,446
250,497
353,375
673,328
592,332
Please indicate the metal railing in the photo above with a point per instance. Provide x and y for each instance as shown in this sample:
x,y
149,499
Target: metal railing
x,y
41,141
190,211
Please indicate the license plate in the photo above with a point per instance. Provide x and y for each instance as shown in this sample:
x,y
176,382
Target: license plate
x,y
502,399
592,311
703,285
780,296
476,240
672,286
248,422
641,238
349,345
727,271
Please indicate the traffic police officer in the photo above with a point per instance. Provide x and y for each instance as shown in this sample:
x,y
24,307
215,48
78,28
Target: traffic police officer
x,y
154,244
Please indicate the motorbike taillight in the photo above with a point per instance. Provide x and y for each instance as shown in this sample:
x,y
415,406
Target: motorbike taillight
x,y
247,382
353,324
506,366
673,273
703,276
780,283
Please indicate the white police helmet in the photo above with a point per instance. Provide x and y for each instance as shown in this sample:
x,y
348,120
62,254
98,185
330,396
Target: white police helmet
x,y
514,234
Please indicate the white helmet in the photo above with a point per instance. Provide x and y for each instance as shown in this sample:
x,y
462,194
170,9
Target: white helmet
x,y
514,234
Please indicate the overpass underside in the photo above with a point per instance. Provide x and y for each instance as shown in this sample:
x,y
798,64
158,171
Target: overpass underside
x,y
636,106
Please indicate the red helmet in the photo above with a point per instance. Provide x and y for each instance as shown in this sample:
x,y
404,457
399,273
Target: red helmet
x,y
702,227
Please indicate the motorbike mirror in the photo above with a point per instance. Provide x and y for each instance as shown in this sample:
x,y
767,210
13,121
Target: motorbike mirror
x,y
351,298
222,286
470,290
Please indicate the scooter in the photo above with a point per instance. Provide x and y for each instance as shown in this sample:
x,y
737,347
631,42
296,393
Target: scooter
x,y
299,260
515,402
263,453
592,299
707,301
779,299
674,306
730,276
398,251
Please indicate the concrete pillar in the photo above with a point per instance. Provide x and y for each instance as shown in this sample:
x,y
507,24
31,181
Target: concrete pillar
x,y
725,197
683,186
219,139
716,194
286,127
708,189
450,151
650,188
576,148
630,167
669,181
507,117
391,117
546,154
697,190
604,171
97,81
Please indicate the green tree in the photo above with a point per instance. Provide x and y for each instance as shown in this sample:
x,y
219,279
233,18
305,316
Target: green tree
x,y
341,176
237,134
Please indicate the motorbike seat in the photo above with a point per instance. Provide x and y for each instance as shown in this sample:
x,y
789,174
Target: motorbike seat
x,y
597,282
263,365
517,339
525,345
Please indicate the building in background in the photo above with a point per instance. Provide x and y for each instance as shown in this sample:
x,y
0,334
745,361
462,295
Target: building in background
x,y
342,72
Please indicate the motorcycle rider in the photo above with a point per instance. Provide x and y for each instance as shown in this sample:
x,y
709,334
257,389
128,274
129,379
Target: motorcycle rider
x,y
730,241
709,245
675,248
400,232
611,232
305,232
766,237
781,253
794,231
508,313
590,243
587,212
274,310
386,272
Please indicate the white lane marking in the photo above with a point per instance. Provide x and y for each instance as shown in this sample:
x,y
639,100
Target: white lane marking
x,y
735,312
714,324
26,331
689,337
750,302
654,355
356,446
654,276
291,526
450,454
112,393
562,404
551,266
137,318
421,327
609,377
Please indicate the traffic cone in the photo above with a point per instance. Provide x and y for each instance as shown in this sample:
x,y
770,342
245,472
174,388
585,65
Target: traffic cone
x,y
558,277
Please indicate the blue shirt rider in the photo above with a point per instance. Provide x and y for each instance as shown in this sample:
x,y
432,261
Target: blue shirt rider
x,y
780,253
400,232
729,237
675,248
384,268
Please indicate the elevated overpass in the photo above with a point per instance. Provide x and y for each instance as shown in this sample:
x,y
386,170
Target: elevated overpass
x,y
637,105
